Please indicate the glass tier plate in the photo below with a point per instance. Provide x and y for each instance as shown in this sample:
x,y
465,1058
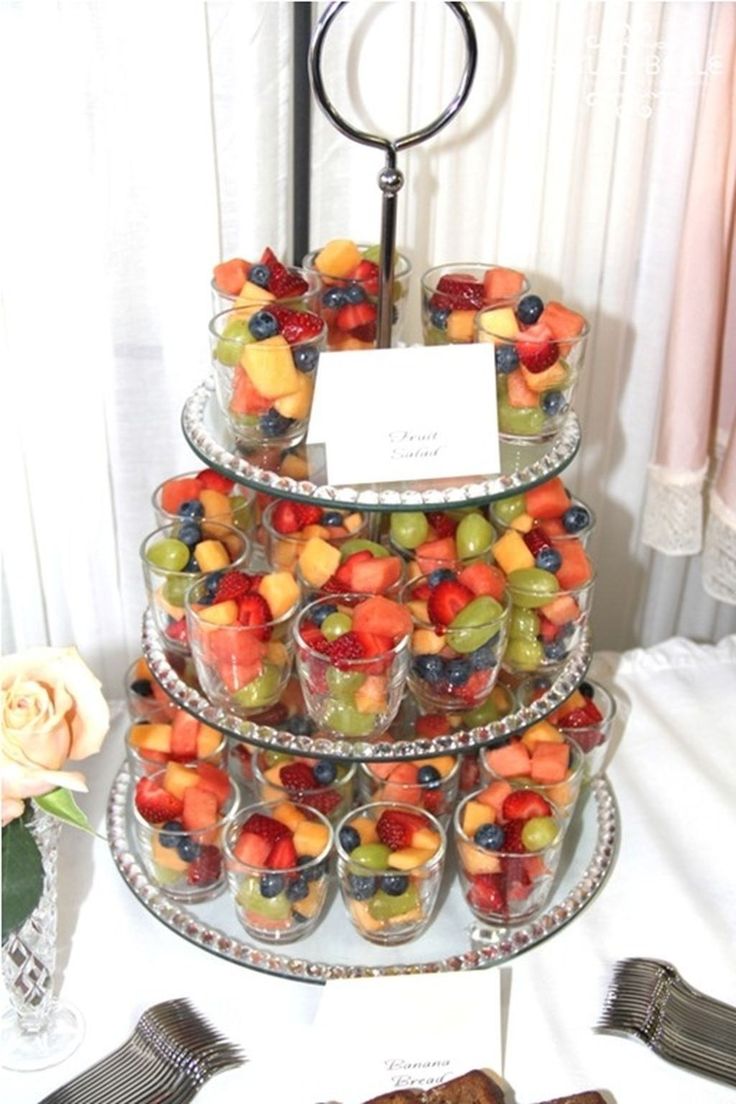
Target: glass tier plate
x,y
524,464
566,679
454,940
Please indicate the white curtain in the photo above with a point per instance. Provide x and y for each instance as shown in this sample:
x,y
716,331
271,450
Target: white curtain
x,y
143,142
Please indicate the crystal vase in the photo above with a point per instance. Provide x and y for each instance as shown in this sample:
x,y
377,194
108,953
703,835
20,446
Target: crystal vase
x,y
37,1030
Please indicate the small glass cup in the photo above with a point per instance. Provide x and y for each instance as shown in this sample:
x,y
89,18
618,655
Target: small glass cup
x,y
359,698
532,403
330,790
284,549
563,792
211,546
279,905
503,887
236,507
253,299
390,894
265,386
429,784
349,305
187,864
242,668
544,629
149,746
454,669
591,735
554,528
447,318
147,701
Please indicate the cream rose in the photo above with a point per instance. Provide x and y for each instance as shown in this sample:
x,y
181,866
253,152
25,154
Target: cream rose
x,y
51,709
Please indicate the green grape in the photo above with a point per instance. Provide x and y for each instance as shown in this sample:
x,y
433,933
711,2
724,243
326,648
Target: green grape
x,y
261,691
343,684
525,655
360,544
242,512
336,624
164,875
521,421
475,625
531,587
373,253
273,758
483,714
506,509
433,336
373,855
409,530
272,908
176,587
523,624
473,535
343,718
384,907
539,832
230,346
168,554
244,421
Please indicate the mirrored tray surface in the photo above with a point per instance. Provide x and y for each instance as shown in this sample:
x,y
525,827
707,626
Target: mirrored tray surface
x,y
454,941
524,464
566,679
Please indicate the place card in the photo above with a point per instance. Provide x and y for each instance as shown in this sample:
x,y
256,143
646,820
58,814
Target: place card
x,y
404,415
375,1035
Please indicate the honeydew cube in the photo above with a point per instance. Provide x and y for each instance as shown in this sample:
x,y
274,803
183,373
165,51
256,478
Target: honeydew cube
x,y
281,591
511,553
406,858
318,561
211,555
222,613
299,402
270,367
500,323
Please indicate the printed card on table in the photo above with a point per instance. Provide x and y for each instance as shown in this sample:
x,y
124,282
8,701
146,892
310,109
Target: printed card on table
x,y
374,1035
396,415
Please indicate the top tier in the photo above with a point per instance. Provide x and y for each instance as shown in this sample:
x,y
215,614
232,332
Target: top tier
x,y
300,473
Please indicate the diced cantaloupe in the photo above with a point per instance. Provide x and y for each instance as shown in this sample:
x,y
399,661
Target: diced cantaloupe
x,y
289,814
353,522
475,814
311,838
510,761
552,377
251,294
371,695
520,396
425,839
542,732
178,779
362,917
494,795
211,555
511,553
339,258
408,857
281,591
476,861
366,829
318,561
299,402
270,366
293,466
522,523
152,737
216,504
460,326
208,741
167,857
229,276
221,613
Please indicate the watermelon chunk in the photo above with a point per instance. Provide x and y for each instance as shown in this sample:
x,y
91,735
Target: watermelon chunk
x,y
485,579
200,809
550,762
520,394
176,491
436,553
576,569
215,781
382,617
510,761
549,500
184,733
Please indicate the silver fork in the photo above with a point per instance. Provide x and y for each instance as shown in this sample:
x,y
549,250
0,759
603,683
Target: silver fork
x,y
651,1000
169,1056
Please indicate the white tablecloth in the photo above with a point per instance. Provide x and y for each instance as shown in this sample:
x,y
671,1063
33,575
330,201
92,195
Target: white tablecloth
x,y
671,895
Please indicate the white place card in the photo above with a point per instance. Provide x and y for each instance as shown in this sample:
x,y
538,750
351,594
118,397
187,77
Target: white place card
x,y
397,415
375,1035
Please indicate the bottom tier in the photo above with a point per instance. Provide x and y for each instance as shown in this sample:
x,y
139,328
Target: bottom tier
x,y
454,940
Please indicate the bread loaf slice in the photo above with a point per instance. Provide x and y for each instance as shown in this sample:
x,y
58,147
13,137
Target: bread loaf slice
x,y
474,1087
589,1097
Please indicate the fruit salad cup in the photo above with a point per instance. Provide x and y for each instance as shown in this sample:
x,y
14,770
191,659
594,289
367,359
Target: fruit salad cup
x,y
289,527
352,656
180,815
278,859
451,538
452,295
240,283
348,299
549,510
538,354
543,759
174,557
147,701
265,366
586,718
359,566
149,747
322,784
204,494
460,622
390,859
240,636
429,784
508,847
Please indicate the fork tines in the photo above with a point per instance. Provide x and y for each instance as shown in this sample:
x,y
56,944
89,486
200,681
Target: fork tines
x,y
171,1053
651,1000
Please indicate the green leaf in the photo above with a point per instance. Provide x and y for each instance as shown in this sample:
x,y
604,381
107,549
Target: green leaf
x,y
61,804
22,876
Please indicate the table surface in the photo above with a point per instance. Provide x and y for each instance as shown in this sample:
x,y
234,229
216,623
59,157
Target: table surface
x,y
671,895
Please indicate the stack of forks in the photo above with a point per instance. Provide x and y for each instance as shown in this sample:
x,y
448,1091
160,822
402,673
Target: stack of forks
x,y
168,1058
651,1000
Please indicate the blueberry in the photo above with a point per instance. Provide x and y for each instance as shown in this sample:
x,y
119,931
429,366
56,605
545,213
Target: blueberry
x,y
211,582
192,566
331,517
263,324
259,275
190,533
192,508
298,725
438,317
361,887
489,837
553,402
548,559
274,424
354,293
319,613
440,575
298,889
187,849
575,518
586,690
458,671
165,838
349,839
555,650
507,359
305,357
334,298
429,777
314,872
429,667
484,657
529,309
142,687
394,884
325,772
271,884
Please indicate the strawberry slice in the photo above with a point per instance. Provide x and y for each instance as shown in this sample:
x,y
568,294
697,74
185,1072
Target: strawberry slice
x,y
309,515
447,600
353,315
365,333
177,631
431,725
254,612
582,717
367,274
282,855
296,326
213,481
155,804
344,573
474,689
325,801
536,539
344,650
285,284
469,773
396,829
298,777
512,840
374,644
524,804
286,517
267,827
535,349
460,291
486,894
233,584
443,524
268,257
206,868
